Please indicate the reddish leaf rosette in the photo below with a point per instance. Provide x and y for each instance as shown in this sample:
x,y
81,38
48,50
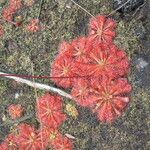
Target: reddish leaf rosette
x,y
107,60
50,110
15,4
63,143
65,49
112,98
15,111
80,48
101,29
63,71
34,25
8,14
80,92
50,135
10,143
4,146
9,11
29,138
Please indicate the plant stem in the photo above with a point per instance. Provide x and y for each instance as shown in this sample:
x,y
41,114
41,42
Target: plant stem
x,y
82,8
18,120
37,85
118,8
39,13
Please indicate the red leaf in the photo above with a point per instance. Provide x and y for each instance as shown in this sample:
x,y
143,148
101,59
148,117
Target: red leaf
x,y
80,48
101,29
111,98
29,138
15,111
10,143
63,71
15,4
50,110
8,14
50,135
63,143
34,25
80,92
105,60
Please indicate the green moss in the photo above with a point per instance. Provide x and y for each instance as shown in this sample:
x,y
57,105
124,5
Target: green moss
x,y
126,38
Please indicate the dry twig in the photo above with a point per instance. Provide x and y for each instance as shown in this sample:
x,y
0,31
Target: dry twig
x,y
82,8
118,8
37,85
36,97
39,13
18,120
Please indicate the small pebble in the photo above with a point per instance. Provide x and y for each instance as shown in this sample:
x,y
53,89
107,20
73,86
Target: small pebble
x,y
141,64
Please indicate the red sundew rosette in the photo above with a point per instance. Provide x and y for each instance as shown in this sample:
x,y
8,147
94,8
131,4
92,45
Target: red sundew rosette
x,y
65,49
15,4
8,13
81,93
50,110
34,25
76,51
29,138
121,61
10,143
63,143
102,30
107,60
49,135
4,146
15,111
63,71
112,97
80,49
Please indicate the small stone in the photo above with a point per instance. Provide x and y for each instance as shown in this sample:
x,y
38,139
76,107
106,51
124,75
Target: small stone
x,y
17,95
68,6
4,118
140,31
141,64
142,71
